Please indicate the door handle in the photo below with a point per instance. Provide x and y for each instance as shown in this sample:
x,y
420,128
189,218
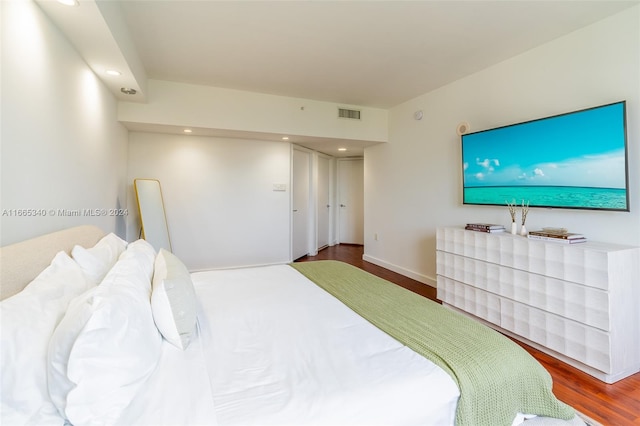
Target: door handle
x,y
328,206
342,205
295,210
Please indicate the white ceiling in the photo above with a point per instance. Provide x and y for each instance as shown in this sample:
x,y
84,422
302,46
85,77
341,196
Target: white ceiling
x,y
367,53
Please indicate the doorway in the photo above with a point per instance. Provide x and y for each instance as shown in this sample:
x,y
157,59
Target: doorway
x,y
324,202
351,200
300,203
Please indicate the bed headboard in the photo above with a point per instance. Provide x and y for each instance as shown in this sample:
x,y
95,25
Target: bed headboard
x,y
20,263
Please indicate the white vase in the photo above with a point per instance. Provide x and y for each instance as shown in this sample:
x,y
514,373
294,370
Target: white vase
x,y
523,231
514,228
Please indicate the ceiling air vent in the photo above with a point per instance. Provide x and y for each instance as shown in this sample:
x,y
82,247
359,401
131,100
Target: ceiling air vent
x,y
352,114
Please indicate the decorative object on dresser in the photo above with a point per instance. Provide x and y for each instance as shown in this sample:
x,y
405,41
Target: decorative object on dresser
x,y
577,303
484,227
524,211
512,212
557,235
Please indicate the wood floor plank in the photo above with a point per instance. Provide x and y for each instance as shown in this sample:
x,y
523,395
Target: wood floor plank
x,y
617,404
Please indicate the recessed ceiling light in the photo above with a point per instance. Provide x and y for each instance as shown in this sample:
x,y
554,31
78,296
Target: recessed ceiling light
x,y
342,149
285,138
113,72
187,130
128,91
69,2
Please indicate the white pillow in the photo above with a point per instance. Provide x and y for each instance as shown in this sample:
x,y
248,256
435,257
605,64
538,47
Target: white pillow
x,y
107,345
28,320
173,300
97,260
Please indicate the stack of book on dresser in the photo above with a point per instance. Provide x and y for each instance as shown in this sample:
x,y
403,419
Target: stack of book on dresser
x,y
558,235
484,227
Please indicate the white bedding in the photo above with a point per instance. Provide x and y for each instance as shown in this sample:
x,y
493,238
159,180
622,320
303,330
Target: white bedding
x,y
178,393
321,364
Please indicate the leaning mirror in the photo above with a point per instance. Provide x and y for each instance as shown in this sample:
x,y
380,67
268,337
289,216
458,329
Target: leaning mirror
x,y
151,209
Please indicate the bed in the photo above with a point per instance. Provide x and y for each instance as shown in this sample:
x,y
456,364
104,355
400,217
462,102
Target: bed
x,y
96,330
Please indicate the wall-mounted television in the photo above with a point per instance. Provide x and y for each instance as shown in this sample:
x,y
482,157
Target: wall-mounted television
x,y
576,160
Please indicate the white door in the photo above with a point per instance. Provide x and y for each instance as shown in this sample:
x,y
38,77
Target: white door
x,y
324,205
351,201
300,203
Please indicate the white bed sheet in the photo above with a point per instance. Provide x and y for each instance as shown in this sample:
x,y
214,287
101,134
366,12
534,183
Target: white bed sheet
x,y
178,392
280,350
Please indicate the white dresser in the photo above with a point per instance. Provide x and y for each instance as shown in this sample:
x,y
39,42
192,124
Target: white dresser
x,y
578,302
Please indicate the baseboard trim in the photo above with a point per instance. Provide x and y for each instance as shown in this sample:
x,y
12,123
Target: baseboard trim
x,y
403,271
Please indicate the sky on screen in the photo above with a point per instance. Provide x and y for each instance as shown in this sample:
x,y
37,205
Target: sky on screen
x,y
579,149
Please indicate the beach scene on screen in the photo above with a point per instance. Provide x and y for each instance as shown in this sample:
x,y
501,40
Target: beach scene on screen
x,y
575,160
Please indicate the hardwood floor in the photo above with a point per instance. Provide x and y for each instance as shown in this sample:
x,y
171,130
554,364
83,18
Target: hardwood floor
x,y
612,405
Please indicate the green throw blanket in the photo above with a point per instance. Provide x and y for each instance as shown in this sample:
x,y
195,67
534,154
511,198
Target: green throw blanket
x,y
496,377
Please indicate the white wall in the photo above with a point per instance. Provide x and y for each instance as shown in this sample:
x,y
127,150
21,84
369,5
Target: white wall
x,y
413,183
180,104
220,204
61,144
